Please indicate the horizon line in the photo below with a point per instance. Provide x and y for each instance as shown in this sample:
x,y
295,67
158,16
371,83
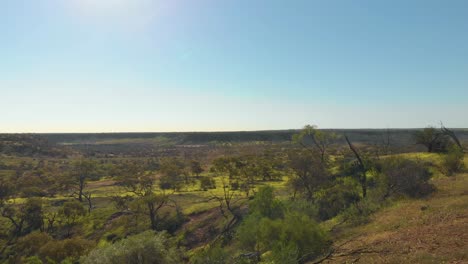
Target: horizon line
x,y
222,131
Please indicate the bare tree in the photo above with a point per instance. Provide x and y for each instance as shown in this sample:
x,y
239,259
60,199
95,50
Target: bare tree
x,y
230,203
386,141
361,166
451,134
89,200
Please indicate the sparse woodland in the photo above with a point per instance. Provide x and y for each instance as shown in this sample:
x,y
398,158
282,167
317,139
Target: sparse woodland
x,y
305,196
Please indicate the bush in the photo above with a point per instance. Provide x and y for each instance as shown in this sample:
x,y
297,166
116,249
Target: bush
x,y
31,244
337,198
359,213
70,249
210,255
304,233
452,162
401,176
33,260
145,248
282,253
296,232
266,204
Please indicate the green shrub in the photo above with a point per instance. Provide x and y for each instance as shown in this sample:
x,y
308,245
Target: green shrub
x,y
211,255
337,198
282,253
301,231
145,248
452,162
303,206
31,244
265,203
71,249
296,232
359,213
33,260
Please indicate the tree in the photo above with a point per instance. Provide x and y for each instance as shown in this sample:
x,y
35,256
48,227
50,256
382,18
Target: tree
x,y
452,135
309,174
82,171
7,189
33,214
70,213
434,140
145,201
196,168
154,203
361,168
266,169
230,203
320,140
386,141
173,174
227,165
24,218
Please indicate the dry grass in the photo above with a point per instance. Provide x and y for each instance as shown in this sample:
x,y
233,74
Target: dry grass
x,y
432,230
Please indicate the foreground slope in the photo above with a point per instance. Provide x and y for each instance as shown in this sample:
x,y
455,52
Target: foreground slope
x,y
432,230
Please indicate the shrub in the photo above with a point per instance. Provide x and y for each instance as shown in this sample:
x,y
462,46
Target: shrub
x,y
282,253
210,255
359,213
296,232
401,176
305,234
30,244
337,198
145,248
71,249
33,260
452,162
266,204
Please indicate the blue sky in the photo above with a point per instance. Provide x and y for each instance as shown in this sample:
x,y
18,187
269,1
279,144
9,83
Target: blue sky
x,y
204,65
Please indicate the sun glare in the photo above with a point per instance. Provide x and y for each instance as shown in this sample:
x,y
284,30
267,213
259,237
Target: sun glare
x,y
124,12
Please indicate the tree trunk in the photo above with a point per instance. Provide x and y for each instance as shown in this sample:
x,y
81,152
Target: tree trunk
x,y
152,215
362,178
81,187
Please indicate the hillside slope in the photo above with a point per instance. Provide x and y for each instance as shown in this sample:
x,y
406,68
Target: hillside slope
x,y
432,230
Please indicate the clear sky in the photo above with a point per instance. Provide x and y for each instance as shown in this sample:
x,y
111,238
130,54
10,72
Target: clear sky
x,y
203,65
